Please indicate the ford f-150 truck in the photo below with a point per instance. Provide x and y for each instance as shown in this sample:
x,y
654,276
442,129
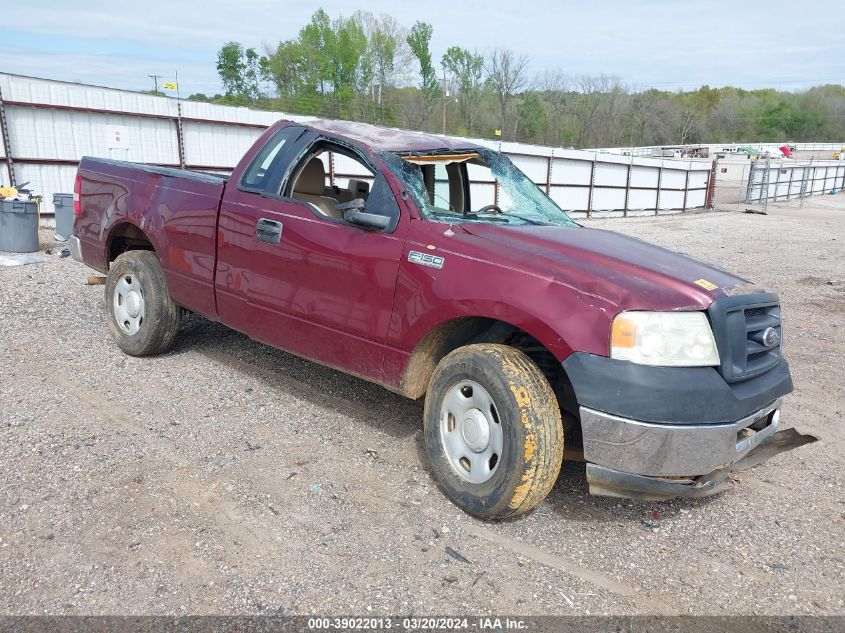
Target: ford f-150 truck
x,y
384,254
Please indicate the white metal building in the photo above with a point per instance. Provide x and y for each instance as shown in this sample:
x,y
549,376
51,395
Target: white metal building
x,y
51,124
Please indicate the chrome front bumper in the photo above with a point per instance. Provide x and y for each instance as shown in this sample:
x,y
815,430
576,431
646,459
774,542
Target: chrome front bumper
x,y
661,450
627,458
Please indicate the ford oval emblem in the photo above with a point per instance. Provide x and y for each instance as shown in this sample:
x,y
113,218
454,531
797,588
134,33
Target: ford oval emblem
x,y
770,337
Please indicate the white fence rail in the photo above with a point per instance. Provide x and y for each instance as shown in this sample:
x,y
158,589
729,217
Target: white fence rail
x,y
52,124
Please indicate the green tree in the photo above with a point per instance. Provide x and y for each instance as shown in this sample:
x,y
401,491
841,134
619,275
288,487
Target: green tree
x,y
363,67
315,41
783,121
230,67
286,67
419,40
350,68
531,116
241,71
468,69
383,53
387,47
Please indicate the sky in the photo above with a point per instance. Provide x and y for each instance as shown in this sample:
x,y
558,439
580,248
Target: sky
x,y
666,44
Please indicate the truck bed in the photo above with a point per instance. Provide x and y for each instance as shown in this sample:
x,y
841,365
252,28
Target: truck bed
x,y
170,172
176,208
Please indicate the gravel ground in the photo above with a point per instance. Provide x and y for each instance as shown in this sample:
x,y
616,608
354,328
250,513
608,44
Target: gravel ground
x,y
228,477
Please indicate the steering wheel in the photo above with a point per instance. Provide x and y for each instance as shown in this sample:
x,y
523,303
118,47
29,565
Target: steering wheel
x,y
490,207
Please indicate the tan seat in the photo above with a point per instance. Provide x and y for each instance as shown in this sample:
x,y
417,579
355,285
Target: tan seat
x,y
310,187
358,188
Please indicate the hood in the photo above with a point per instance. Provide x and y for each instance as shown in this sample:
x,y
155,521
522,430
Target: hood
x,y
627,272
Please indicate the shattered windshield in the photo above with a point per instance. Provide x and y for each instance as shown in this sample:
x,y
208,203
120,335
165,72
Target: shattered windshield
x,y
479,185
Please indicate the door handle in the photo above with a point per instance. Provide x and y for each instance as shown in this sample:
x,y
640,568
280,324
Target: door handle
x,y
268,231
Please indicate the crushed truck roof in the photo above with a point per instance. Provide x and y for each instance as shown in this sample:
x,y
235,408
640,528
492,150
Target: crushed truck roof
x,y
388,138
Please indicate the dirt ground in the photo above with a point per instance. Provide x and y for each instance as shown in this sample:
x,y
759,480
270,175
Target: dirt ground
x,y
228,477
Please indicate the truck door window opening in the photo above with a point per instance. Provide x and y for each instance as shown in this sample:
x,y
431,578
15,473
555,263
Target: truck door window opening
x,y
352,178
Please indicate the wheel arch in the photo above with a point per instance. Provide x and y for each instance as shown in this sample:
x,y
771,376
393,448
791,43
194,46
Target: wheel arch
x,y
126,236
456,332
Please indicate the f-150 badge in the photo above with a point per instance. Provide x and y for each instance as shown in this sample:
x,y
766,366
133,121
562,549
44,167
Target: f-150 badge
x,y
425,259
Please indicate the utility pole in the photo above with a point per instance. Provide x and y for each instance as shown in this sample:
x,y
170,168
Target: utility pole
x,y
155,79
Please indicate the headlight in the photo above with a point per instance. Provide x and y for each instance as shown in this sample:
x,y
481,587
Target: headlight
x,y
668,339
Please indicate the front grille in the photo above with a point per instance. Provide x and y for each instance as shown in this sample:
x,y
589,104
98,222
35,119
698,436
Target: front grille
x,y
740,325
760,357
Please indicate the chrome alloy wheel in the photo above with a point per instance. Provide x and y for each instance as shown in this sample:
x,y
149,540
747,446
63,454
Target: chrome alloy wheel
x,y
471,431
128,304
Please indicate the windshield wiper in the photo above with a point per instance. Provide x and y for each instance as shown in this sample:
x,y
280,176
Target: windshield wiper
x,y
523,218
489,217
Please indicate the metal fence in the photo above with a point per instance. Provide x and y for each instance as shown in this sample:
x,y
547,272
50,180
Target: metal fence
x,y
49,125
785,180
713,149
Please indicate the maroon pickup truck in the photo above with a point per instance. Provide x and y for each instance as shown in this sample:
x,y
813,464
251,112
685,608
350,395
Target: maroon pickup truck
x,y
524,331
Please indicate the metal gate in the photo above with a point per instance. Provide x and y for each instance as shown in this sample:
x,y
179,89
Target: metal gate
x,y
786,180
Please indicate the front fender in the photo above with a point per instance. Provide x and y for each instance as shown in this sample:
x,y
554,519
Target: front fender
x,y
467,285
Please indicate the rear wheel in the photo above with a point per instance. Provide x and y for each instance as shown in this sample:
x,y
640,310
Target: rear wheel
x,y
493,431
143,320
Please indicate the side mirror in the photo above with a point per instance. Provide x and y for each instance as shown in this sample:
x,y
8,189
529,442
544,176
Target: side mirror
x,y
353,212
357,204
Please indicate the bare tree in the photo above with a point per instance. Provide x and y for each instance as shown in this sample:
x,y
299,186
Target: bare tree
x,y
554,86
507,74
645,112
587,109
687,124
599,109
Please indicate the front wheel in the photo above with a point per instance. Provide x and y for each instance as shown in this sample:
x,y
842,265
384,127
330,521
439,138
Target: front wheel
x,y
142,317
493,431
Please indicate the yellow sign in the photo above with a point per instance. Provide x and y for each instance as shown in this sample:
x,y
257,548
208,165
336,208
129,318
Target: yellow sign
x,y
707,285
497,132
170,85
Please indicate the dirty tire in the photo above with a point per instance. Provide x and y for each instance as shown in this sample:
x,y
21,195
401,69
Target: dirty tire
x,y
161,317
532,432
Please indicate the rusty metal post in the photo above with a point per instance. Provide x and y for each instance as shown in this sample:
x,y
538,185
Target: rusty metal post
x,y
711,185
549,174
659,184
331,169
628,188
791,177
180,138
7,145
592,186
686,188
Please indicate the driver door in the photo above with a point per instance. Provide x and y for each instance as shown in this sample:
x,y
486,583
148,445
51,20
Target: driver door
x,y
308,281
